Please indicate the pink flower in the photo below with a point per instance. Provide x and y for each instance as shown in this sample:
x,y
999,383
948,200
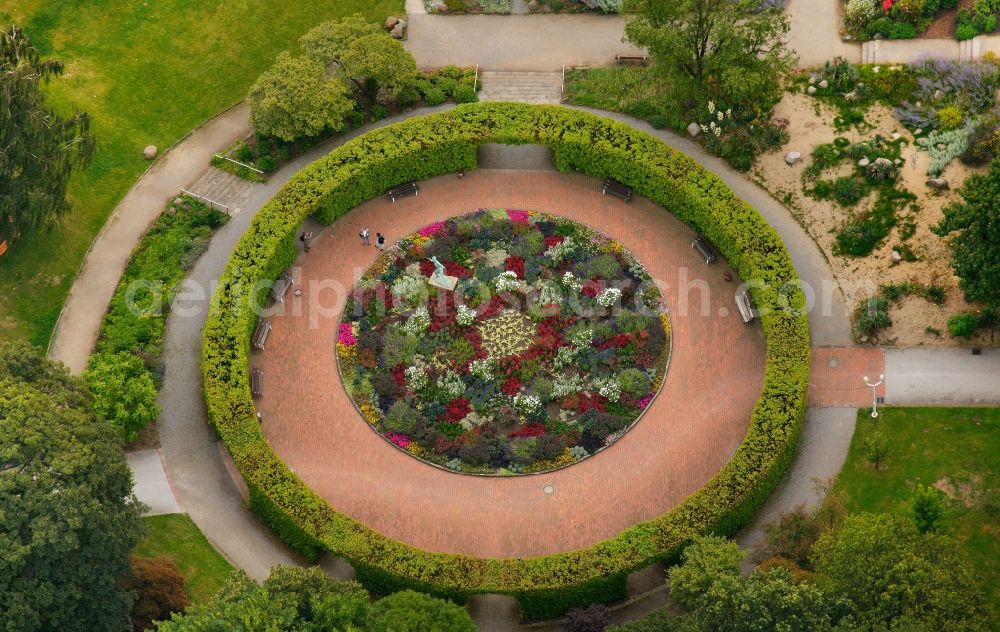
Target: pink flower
x,y
517,216
430,229
346,336
398,439
645,401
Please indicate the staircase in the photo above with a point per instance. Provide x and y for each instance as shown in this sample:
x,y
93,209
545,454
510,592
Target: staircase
x,y
224,188
521,86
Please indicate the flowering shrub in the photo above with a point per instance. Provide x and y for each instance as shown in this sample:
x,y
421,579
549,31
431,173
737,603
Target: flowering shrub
x,y
522,381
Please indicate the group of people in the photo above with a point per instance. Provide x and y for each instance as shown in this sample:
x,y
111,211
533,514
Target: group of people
x,y
306,239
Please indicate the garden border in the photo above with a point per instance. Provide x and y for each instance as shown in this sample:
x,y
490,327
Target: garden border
x,y
446,142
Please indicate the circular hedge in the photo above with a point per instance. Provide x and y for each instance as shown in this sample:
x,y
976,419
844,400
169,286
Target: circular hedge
x,y
447,142
549,347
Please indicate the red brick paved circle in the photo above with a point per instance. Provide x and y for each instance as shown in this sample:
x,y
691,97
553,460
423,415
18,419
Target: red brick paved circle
x,y
686,435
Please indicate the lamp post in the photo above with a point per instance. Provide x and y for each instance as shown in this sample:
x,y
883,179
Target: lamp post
x,y
874,388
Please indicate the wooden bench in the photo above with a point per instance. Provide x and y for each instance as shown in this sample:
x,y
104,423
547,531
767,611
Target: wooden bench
x,y
260,334
256,382
632,60
403,190
616,189
280,287
704,248
745,305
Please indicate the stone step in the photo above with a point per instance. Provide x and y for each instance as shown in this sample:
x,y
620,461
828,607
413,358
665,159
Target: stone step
x,y
521,86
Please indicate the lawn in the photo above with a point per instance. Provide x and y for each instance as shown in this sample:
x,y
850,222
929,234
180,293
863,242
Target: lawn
x,y
956,449
176,536
147,73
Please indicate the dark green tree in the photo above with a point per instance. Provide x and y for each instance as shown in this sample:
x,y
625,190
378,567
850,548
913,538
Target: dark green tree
x,y
928,508
763,602
39,149
728,50
410,611
68,518
706,560
975,244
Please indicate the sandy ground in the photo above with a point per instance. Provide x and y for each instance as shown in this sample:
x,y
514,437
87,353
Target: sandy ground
x,y
811,124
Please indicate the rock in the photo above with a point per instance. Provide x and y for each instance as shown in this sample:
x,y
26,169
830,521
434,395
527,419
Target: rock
x,y
399,31
693,130
442,8
897,161
390,22
811,90
864,162
882,161
533,5
877,36
940,146
938,94
793,158
918,131
895,256
813,79
938,184
780,122
896,136
876,69
824,84
149,152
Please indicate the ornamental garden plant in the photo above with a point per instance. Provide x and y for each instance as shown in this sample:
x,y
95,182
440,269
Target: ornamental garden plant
x,y
549,349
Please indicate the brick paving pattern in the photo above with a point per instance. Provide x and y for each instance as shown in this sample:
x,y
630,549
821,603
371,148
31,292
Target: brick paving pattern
x,y
688,433
837,376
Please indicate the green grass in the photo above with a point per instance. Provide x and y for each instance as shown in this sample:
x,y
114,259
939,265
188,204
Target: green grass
x,y
147,72
176,536
959,447
635,91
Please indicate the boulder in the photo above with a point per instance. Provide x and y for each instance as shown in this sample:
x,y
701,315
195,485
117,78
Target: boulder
x,y
813,78
897,161
533,5
793,158
876,69
896,136
149,152
399,30
824,84
938,184
864,162
895,256
390,22
693,130
811,90
938,94
918,131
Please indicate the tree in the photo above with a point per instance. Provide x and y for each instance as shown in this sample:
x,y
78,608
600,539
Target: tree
x,y
728,50
789,537
159,589
876,447
706,560
292,99
328,41
410,611
888,572
124,392
975,245
68,517
38,148
928,508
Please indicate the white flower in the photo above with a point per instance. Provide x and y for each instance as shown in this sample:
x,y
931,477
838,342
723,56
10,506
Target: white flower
x,y
729,113
416,378
484,369
581,337
526,404
571,282
722,116
609,388
564,357
609,297
561,250
565,385
507,282
408,288
717,131
704,128
451,384
711,107
418,322
465,316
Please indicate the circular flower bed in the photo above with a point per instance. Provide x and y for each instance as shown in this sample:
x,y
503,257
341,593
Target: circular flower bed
x,y
550,347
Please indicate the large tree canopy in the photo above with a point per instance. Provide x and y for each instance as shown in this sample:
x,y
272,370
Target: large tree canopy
x,y
729,50
38,148
976,244
68,518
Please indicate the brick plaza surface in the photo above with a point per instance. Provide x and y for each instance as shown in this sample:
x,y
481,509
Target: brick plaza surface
x,y
687,434
837,376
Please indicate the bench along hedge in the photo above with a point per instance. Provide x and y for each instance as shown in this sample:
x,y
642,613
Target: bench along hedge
x,y
441,143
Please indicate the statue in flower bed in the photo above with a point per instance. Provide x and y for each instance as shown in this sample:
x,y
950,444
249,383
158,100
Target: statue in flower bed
x,y
552,344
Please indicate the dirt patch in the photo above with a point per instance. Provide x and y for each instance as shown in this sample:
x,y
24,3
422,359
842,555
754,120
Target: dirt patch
x,y
914,319
967,492
944,24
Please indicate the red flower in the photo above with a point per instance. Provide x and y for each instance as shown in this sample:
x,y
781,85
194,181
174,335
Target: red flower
x,y
590,401
457,409
511,387
515,265
427,267
456,270
531,430
553,240
886,6
399,374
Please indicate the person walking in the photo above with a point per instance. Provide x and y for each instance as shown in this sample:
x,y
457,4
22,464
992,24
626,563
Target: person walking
x,y
304,238
380,241
365,239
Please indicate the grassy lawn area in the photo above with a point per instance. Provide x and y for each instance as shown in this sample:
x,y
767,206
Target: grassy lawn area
x,y
955,449
148,73
176,536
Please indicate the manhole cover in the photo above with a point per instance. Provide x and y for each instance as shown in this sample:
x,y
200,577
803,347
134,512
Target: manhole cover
x,y
548,489
833,363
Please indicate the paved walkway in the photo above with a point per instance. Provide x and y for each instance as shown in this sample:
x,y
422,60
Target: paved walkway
x,y
152,486
942,377
815,32
688,433
80,320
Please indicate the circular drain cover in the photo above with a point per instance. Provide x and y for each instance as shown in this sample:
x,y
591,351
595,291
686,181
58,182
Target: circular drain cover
x,y
548,489
833,363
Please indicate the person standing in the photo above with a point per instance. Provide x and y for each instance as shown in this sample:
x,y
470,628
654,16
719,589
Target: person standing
x,y
305,238
380,241
365,239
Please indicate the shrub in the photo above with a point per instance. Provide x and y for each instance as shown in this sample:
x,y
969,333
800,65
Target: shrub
x,y
928,509
266,164
409,611
950,117
704,561
446,142
159,589
963,325
124,392
965,30
847,190
902,30
464,94
434,96
872,316
590,619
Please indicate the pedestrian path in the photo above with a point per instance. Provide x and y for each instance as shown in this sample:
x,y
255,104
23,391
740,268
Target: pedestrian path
x,y
152,486
942,377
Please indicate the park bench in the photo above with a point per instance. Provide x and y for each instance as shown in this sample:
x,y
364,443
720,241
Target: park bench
x,y
745,305
704,248
260,334
256,382
280,287
403,190
632,60
617,189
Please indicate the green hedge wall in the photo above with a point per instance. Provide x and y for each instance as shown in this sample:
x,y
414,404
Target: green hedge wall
x,y
446,142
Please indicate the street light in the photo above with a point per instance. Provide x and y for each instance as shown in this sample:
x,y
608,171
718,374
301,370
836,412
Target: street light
x,y
874,388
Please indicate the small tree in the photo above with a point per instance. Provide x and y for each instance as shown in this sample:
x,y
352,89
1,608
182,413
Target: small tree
x,y
789,537
124,392
928,508
876,447
410,611
769,600
159,589
38,148
328,41
293,100
379,66
704,561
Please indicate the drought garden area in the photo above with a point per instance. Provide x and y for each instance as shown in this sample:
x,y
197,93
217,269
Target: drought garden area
x,y
501,344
